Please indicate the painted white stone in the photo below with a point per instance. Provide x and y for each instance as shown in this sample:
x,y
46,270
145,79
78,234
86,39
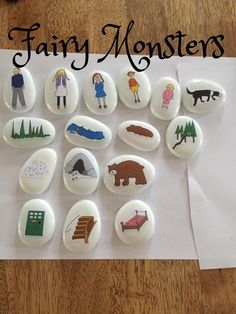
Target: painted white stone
x,y
25,132
61,91
184,137
19,91
139,135
135,223
166,99
80,171
134,89
202,96
128,174
87,132
100,95
38,171
36,223
82,227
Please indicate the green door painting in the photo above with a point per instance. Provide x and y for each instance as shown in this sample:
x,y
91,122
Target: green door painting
x,y
35,222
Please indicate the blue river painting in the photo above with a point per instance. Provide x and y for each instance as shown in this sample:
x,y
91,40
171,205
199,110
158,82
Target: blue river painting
x,y
87,133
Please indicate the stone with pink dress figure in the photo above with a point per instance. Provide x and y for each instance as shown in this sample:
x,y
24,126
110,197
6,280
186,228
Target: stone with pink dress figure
x,y
167,96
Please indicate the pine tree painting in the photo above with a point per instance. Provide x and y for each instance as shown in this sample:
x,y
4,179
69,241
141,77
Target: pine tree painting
x,y
30,129
193,132
177,131
181,130
37,131
33,132
22,130
12,130
188,131
41,131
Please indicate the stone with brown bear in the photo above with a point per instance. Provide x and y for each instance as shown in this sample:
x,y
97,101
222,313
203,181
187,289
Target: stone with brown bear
x,y
126,170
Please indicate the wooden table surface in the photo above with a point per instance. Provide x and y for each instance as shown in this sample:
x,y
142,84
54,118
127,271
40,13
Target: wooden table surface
x,y
119,286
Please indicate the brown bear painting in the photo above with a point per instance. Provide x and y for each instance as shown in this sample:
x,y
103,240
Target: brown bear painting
x,y
126,170
139,130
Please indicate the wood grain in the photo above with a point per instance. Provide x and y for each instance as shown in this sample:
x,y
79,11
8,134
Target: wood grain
x,y
116,286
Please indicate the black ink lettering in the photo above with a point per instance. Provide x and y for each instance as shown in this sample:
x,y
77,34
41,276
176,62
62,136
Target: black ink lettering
x,y
85,47
116,39
42,48
28,40
139,46
204,46
159,50
151,49
146,59
64,45
212,39
174,44
180,36
221,48
170,46
54,46
190,45
124,41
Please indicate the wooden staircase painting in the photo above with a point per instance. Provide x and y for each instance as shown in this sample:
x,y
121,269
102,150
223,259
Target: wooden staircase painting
x,y
83,228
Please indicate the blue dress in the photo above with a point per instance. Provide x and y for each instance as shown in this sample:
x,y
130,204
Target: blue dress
x,y
99,90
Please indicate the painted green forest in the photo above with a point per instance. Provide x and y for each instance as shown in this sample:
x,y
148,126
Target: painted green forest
x,y
187,131
32,131
183,132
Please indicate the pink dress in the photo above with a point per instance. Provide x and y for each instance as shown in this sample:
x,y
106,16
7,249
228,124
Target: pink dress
x,y
167,95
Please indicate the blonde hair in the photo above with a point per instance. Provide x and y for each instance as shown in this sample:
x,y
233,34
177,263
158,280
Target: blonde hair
x,y
60,72
170,86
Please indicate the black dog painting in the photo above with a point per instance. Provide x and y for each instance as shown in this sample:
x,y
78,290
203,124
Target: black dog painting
x,y
204,95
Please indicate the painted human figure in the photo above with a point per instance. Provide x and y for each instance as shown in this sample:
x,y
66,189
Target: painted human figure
x,y
133,85
61,79
167,95
98,83
17,82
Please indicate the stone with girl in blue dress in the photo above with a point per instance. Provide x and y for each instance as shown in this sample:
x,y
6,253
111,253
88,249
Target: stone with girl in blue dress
x,y
98,83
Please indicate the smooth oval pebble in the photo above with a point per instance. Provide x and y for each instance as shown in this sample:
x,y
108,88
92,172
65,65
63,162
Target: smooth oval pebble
x,y
135,223
139,135
87,132
25,132
82,227
80,171
184,137
128,174
134,89
38,171
36,223
202,96
19,92
166,99
61,91
100,95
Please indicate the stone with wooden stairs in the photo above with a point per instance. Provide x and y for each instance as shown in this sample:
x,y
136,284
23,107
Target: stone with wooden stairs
x,y
83,228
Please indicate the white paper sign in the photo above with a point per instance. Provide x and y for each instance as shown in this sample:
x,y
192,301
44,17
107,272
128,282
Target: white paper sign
x,y
212,173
